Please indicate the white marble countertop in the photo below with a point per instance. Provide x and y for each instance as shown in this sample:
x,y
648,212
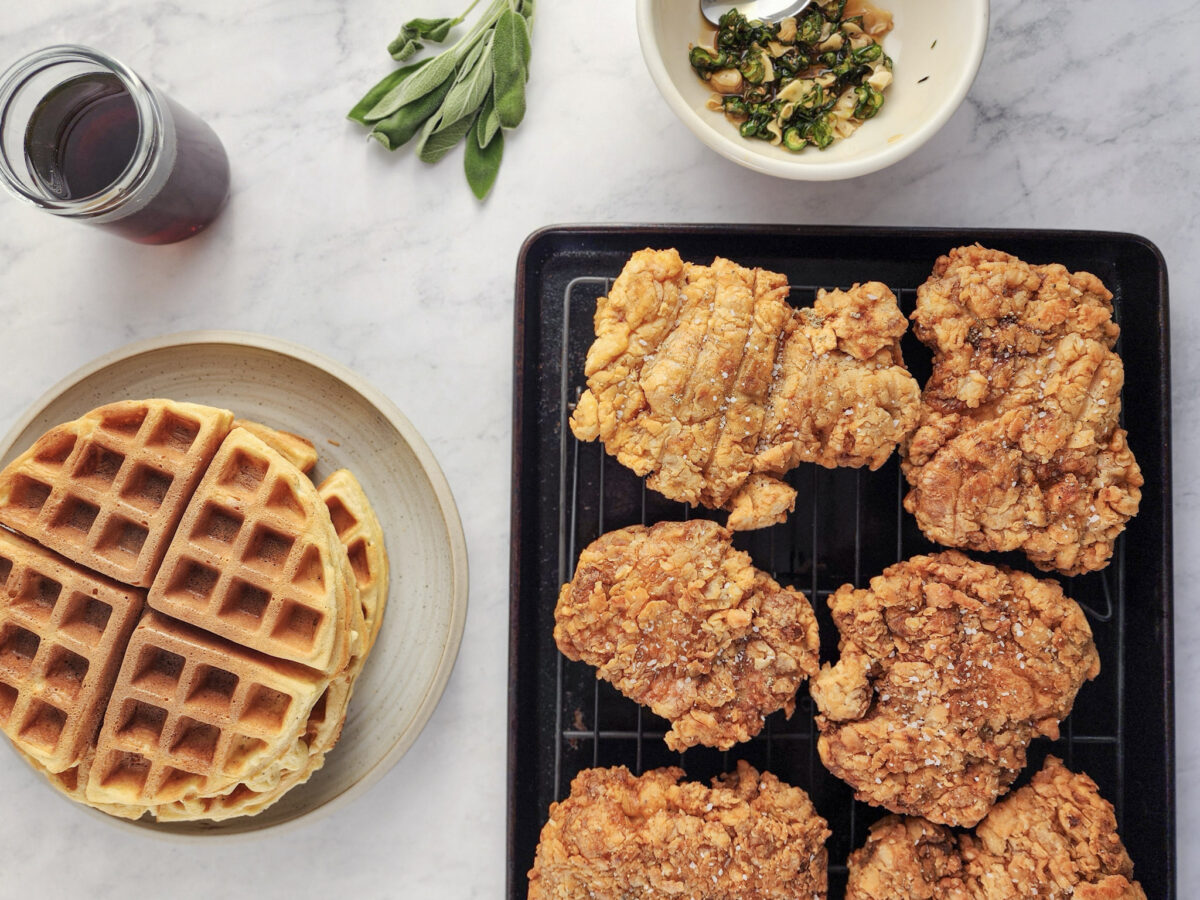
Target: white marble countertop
x,y
394,269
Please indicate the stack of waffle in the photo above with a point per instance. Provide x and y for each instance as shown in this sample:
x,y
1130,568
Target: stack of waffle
x,y
183,613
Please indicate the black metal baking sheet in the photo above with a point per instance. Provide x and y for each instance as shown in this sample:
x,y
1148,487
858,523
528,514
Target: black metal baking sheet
x,y
848,525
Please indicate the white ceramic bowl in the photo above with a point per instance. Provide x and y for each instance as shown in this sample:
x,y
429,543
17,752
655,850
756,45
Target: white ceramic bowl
x,y
354,426
937,46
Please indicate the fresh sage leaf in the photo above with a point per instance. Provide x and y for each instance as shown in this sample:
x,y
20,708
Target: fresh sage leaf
x,y
408,41
435,143
470,89
506,43
482,159
400,127
475,89
375,94
524,44
402,51
510,106
428,79
430,29
489,121
439,29
511,39
472,57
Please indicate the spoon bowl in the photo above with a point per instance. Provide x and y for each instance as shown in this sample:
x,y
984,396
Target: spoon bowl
x,y
766,10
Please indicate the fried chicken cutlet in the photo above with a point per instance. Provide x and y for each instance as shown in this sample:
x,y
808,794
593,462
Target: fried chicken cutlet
x,y
679,621
948,669
1054,839
706,381
748,837
1019,445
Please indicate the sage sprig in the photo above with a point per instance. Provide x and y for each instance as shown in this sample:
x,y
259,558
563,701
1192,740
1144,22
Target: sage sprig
x,y
407,43
475,89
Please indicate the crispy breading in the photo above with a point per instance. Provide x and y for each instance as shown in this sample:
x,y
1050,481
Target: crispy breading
x,y
1019,445
679,621
948,669
1055,839
1056,834
907,858
842,396
706,381
748,837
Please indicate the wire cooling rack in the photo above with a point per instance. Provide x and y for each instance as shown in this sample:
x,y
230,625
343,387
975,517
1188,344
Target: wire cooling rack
x,y
818,549
848,525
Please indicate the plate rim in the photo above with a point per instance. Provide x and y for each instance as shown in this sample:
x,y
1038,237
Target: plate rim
x,y
452,520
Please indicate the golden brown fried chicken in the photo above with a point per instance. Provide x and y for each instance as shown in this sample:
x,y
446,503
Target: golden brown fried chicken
x,y
679,621
907,858
948,669
1019,444
749,837
1054,839
705,380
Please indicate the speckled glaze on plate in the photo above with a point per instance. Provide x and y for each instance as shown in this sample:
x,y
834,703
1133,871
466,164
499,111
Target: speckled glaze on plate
x,y
353,426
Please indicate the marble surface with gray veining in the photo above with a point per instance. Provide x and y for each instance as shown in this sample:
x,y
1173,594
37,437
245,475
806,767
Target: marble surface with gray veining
x,y
1084,115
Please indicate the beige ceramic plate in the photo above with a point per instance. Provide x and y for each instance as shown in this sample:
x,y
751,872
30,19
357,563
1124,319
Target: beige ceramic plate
x,y
353,426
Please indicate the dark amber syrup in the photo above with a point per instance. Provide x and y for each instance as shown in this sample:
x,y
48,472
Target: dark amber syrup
x,y
84,134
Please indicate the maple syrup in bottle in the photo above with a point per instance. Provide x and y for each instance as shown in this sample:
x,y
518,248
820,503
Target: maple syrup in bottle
x,y
83,136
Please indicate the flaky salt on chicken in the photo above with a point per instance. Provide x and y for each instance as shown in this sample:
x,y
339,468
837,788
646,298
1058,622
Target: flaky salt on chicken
x,y
618,836
949,668
1019,445
1054,839
907,858
706,381
679,621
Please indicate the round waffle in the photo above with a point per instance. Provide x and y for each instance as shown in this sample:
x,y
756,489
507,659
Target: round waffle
x,y
232,684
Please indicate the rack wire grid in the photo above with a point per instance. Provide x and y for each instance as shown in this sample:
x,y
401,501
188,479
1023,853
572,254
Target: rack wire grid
x,y
848,525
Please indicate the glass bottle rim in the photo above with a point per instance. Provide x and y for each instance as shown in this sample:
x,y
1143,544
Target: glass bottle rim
x,y
149,141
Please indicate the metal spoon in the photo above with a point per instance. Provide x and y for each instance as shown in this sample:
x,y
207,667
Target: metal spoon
x,y
767,10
